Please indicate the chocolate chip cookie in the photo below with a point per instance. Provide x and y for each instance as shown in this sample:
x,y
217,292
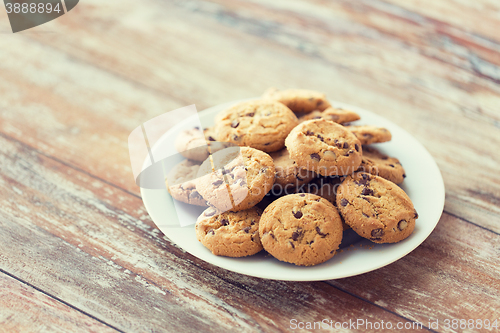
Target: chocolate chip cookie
x,y
288,175
181,183
231,234
303,229
298,100
379,164
337,115
324,147
375,208
236,178
370,134
260,124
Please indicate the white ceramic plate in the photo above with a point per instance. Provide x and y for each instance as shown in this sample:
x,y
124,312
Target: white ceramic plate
x,y
423,184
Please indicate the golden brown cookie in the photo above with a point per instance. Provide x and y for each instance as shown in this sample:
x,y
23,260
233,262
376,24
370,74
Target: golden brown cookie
x,y
337,115
260,124
379,164
289,176
236,178
370,134
375,208
324,147
303,229
231,234
181,183
298,100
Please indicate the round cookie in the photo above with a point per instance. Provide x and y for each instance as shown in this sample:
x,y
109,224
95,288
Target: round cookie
x,y
370,134
236,178
376,208
260,124
302,229
288,175
324,147
231,234
298,100
337,115
181,183
379,164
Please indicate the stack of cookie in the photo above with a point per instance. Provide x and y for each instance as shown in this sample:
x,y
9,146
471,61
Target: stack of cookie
x,y
288,174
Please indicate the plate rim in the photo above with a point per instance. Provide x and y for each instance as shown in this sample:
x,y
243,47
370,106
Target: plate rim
x,y
439,206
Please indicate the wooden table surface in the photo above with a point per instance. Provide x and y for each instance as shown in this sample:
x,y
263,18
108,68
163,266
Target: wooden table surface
x,y
78,251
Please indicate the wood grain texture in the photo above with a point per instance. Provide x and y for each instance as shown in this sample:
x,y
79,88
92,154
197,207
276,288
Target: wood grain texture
x,y
25,309
376,55
71,93
120,269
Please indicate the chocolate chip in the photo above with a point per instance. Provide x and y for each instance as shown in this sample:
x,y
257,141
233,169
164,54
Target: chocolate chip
x,y
298,214
210,138
351,151
320,137
196,127
235,123
362,182
315,156
247,229
253,222
318,230
224,222
302,195
311,242
295,235
293,246
346,145
377,233
251,114
267,143
384,157
272,235
235,137
365,176
195,195
251,237
402,225
217,182
391,165
367,191
356,146
404,175
365,215
263,170
309,133
211,231
317,117
416,214
344,202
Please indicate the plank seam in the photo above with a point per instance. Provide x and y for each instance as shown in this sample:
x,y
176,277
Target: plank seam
x,y
378,306
59,300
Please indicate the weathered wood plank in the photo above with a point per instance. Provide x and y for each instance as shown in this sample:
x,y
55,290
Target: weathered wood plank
x,y
25,309
336,47
454,274
77,246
